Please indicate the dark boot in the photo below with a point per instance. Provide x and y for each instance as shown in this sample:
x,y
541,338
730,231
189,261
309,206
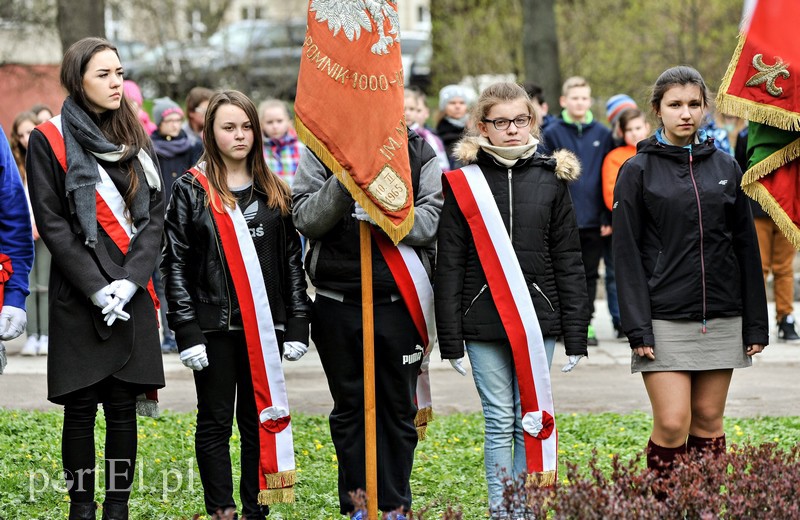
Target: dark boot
x,y
661,460
82,511
115,511
786,330
701,445
227,514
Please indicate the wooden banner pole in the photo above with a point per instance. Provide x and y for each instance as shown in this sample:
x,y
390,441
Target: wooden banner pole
x,y
368,324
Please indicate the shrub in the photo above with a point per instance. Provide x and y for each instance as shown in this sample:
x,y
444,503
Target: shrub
x,y
745,482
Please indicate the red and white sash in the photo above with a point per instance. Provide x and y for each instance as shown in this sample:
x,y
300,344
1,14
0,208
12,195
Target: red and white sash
x,y
513,301
110,203
111,216
277,475
415,288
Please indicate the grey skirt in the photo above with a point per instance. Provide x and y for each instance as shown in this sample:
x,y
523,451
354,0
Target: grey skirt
x,y
682,346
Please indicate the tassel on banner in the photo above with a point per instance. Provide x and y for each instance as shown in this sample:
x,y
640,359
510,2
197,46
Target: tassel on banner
x,y
280,488
423,417
268,497
543,479
395,233
751,110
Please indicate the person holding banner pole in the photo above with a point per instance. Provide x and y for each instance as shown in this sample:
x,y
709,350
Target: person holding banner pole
x,y
509,251
237,298
326,214
97,197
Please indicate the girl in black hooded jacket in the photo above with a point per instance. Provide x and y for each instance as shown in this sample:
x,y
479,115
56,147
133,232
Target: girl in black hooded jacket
x,y
530,191
691,292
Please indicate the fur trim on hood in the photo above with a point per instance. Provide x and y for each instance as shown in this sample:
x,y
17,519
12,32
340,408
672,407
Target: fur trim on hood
x,y
568,167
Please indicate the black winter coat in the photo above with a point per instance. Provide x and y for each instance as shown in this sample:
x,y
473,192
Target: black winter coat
x,y
545,237
171,162
194,271
685,247
83,349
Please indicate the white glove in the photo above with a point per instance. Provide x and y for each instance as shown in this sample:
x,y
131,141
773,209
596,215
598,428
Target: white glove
x,y
456,364
12,322
294,350
361,214
124,292
104,298
195,357
573,362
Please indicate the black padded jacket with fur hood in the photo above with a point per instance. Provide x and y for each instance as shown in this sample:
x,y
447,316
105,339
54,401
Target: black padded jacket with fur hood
x,y
545,237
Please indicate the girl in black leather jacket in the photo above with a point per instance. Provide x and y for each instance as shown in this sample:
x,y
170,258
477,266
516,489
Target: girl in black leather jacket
x,y
220,285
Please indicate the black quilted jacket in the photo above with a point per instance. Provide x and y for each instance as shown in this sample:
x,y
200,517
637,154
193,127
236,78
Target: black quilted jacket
x,y
545,237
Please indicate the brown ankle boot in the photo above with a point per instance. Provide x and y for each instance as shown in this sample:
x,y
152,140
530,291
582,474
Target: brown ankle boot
x,y
227,514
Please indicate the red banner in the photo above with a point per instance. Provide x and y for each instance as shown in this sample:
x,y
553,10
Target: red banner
x,y
349,106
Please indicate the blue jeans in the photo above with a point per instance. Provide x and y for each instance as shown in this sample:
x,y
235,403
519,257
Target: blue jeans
x,y
496,381
611,282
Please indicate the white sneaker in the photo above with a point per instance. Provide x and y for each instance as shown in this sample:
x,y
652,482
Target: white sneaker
x,y
31,346
42,348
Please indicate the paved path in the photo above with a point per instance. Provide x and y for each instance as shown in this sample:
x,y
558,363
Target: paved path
x,y
602,382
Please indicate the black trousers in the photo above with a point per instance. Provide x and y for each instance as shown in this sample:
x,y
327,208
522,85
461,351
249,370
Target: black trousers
x,y
337,333
223,387
591,253
77,440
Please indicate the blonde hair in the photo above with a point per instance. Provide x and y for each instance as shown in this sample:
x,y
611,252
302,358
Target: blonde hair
x,y
573,82
502,92
274,103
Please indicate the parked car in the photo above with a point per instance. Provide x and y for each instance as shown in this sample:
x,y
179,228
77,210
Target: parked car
x,y
259,57
170,69
416,51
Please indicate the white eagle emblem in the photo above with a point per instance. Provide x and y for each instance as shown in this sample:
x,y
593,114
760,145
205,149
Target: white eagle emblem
x,y
353,15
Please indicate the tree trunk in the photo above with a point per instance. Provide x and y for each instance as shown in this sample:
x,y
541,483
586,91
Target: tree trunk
x,y
540,48
80,18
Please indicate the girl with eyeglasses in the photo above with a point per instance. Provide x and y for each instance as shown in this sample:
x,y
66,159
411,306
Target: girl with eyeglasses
x,y
527,194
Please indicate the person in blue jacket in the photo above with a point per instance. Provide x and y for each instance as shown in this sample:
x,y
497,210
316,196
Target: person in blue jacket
x,y
578,132
16,248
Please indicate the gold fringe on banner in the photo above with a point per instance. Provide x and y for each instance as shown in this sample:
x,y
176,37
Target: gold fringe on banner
x,y
268,497
279,488
751,110
543,479
280,480
753,188
395,233
760,194
772,162
423,417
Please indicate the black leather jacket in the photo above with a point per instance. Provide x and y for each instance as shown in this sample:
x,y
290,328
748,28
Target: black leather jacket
x,y
196,279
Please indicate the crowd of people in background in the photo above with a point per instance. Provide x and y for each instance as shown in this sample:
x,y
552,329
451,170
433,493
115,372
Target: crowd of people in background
x,y
573,192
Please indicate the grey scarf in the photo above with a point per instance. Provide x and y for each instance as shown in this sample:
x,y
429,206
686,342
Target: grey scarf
x,y
85,143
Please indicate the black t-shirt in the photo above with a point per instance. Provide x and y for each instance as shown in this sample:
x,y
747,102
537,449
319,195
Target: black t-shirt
x,y
265,226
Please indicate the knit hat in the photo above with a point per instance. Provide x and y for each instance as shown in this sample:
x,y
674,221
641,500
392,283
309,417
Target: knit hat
x,y
616,105
162,107
132,92
455,91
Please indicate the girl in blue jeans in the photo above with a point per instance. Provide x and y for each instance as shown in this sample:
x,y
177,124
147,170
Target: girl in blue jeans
x,y
530,192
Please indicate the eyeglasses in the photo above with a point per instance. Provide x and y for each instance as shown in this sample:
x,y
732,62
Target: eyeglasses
x,y
503,124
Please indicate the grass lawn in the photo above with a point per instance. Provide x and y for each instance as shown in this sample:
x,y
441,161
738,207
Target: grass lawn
x,y
448,466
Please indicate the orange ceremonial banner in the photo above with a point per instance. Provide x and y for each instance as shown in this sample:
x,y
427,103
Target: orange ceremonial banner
x,y
349,106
